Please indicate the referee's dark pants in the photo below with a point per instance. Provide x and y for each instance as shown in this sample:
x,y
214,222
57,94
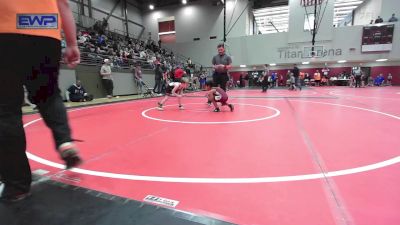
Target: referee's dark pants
x,y
220,80
34,62
264,85
358,81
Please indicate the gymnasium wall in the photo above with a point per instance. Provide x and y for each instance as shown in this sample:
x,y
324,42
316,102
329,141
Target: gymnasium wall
x,y
394,70
297,17
333,71
134,14
200,19
124,83
274,48
371,9
367,11
389,7
375,71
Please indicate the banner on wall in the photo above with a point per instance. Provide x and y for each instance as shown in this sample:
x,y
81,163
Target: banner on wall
x,y
307,52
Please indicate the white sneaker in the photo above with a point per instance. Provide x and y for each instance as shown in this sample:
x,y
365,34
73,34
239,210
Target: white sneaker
x,y
181,107
160,108
69,153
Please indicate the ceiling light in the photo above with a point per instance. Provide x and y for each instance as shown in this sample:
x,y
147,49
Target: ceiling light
x,y
242,66
341,61
305,63
184,2
272,64
151,7
382,60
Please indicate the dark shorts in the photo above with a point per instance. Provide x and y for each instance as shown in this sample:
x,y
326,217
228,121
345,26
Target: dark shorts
x,y
220,79
169,89
222,100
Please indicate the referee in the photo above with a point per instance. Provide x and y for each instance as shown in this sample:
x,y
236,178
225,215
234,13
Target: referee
x,y
30,52
221,64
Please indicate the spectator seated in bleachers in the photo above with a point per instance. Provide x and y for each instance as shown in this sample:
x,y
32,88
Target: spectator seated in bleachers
x,y
379,20
97,44
76,93
393,18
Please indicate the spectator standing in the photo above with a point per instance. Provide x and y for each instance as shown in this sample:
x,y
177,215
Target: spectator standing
x,y
264,81
178,74
288,74
364,79
317,78
104,25
389,79
241,81
302,76
158,78
325,72
281,80
106,76
202,81
189,63
137,73
296,75
352,81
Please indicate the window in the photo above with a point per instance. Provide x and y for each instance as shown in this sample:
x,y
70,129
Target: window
x,y
309,22
166,30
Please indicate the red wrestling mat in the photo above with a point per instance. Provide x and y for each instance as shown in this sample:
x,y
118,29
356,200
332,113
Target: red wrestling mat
x,y
327,159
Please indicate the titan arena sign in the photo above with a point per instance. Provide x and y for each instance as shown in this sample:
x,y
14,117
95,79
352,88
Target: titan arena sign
x,y
306,3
